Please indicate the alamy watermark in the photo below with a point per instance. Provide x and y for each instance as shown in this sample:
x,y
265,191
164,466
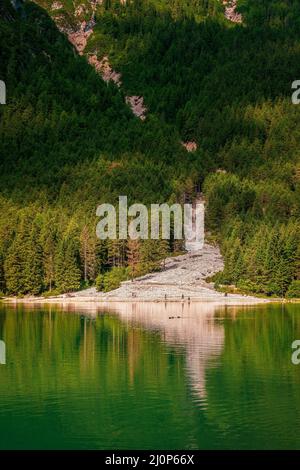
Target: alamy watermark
x,y
2,92
296,94
160,221
2,353
296,353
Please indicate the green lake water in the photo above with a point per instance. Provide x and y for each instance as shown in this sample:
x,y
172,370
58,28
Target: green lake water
x,y
133,377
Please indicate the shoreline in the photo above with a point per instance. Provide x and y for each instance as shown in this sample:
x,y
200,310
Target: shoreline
x,y
223,301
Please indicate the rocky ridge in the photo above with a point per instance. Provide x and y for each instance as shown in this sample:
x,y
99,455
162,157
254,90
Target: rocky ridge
x,y
79,36
230,11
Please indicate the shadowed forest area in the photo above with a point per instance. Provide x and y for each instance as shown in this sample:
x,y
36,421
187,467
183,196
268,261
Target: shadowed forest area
x,y
68,142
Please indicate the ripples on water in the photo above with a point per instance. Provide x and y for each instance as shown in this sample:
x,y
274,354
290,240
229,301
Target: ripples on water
x,y
149,376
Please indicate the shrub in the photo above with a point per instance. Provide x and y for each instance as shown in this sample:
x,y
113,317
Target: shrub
x,y
100,282
294,290
112,279
52,293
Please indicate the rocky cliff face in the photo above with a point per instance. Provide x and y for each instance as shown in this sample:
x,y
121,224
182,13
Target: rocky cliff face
x,y
231,11
77,21
78,25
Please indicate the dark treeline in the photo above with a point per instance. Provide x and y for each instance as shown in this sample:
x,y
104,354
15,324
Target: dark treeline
x,y
68,142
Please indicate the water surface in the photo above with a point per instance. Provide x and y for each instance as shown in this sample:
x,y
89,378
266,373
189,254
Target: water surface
x,y
147,376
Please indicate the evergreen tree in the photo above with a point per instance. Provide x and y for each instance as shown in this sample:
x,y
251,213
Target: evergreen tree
x,y
49,261
133,256
33,263
67,260
2,277
88,254
67,270
13,269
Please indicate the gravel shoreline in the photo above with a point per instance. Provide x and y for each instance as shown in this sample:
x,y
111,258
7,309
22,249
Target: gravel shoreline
x,y
181,280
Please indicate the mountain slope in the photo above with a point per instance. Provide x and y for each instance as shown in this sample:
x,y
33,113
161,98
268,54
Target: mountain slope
x,y
68,143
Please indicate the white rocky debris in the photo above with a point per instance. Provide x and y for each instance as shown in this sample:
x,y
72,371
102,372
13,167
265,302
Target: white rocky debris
x,y
80,10
230,11
79,39
190,146
104,68
56,6
183,278
136,103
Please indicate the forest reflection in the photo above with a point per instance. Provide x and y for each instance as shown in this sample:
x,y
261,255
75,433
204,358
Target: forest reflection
x,y
125,376
194,332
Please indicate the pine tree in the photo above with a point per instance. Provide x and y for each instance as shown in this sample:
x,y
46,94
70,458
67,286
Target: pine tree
x,y
116,252
23,267
33,263
13,269
49,261
67,260
152,253
2,277
133,256
88,254
163,250
234,261
101,254
67,271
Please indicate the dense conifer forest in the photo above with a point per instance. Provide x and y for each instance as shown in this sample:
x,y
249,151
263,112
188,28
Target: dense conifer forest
x,y
68,141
